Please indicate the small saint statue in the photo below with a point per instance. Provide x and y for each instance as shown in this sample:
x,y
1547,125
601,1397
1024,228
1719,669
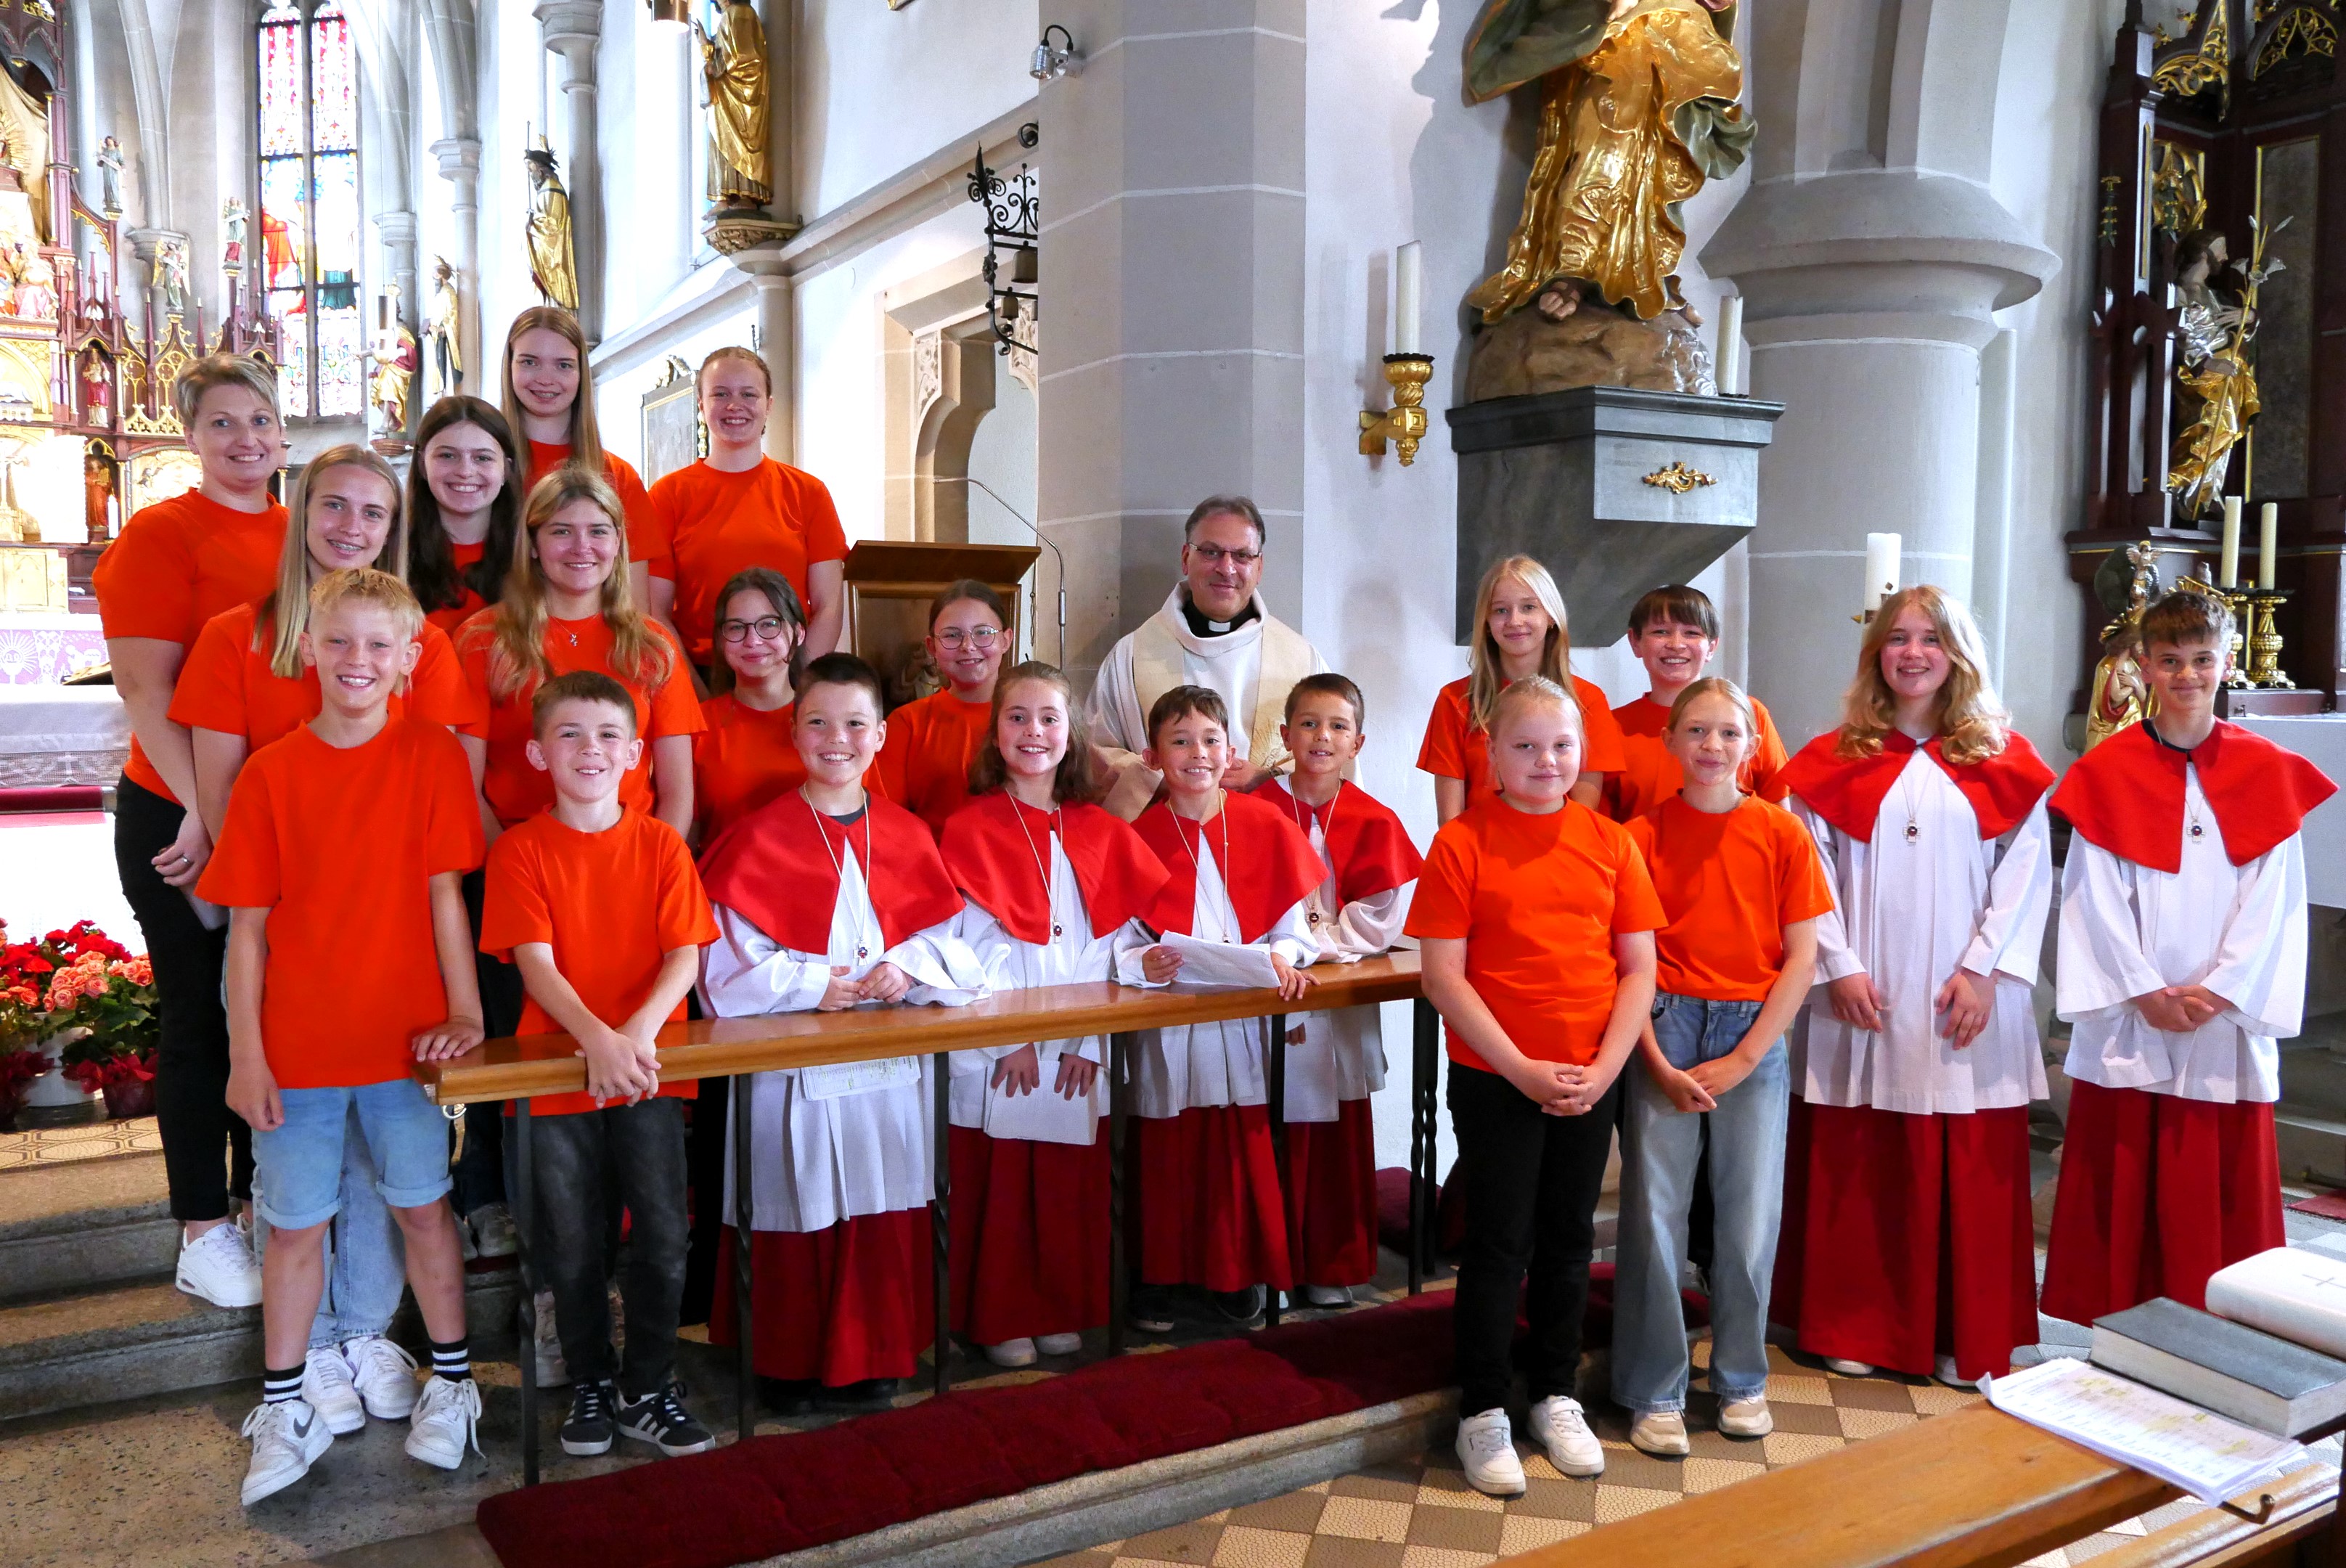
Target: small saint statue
x,y
395,359
733,65
553,262
98,388
35,294
169,279
444,323
2120,696
109,176
234,216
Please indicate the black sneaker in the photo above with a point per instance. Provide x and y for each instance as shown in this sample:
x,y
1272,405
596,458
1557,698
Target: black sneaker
x,y
1239,1307
662,1421
1149,1309
588,1430
858,1398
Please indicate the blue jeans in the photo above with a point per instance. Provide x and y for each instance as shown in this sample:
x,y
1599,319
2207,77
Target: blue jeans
x,y
1660,1148
366,1260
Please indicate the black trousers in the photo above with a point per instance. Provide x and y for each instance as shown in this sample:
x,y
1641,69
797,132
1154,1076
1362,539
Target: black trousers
x,y
206,1147
1532,1181
706,1161
584,1165
479,1169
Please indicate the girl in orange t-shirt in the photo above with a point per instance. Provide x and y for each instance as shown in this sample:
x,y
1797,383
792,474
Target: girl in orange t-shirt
x,y
463,506
746,756
737,507
567,606
1535,918
549,402
1520,631
1739,880
932,741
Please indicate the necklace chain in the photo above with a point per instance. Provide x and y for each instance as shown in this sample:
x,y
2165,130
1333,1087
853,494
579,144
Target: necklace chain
x,y
838,868
1050,896
1326,816
1197,871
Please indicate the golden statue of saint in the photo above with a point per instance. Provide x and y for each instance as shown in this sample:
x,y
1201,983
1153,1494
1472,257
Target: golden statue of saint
x,y
733,63
1639,109
553,264
2212,340
2121,696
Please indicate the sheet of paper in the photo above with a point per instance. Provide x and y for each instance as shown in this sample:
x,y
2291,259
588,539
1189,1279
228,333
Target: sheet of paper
x,y
2200,1452
843,1079
1219,966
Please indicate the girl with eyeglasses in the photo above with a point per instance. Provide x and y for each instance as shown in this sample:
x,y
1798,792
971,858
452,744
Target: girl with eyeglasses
x,y
746,756
932,742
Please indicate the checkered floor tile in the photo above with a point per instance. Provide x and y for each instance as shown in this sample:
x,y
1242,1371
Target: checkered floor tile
x,y
1421,1513
88,1141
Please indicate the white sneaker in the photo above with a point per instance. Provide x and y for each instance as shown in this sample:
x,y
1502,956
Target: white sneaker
x,y
490,1227
1322,1296
1059,1344
385,1377
445,1422
1849,1368
1945,1371
1658,1432
287,1439
1012,1353
1487,1446
217,1266
326,1389
1561,1429
553,1373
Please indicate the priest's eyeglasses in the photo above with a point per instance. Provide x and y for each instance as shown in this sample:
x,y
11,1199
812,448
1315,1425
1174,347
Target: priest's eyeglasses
x,y
979,637
765,628
1214,556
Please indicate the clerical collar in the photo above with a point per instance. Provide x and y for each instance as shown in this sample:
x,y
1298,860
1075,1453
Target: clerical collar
x,y
1201,626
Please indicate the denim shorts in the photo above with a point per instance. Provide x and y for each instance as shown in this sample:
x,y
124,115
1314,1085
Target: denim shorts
x,y
299,1166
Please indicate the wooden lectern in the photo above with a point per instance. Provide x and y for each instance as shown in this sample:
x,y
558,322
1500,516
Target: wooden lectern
x,y
890,583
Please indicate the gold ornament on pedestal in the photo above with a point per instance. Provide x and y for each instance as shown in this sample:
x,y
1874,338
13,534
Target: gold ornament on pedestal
x,y
733,65
2214,334
553,264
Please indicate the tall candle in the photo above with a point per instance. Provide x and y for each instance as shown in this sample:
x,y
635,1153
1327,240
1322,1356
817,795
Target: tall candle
x,y
2268,545
1730,343
1409,293
114,516
1880,569
2230,577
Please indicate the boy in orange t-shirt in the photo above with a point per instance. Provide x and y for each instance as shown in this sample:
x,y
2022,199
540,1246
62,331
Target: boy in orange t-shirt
x,y
601,909
1741,884
1535,919
1674,632
349,958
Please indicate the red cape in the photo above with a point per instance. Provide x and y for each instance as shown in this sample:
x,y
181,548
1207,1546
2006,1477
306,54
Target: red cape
x,y
1279,867
1366,842
772,868
1848,792
2126,795
993,855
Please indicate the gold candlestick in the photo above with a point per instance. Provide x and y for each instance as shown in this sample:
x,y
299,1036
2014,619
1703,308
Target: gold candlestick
x,y
1405,422
2264,640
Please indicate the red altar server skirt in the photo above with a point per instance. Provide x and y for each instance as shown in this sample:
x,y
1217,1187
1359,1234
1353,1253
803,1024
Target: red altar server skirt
x,y
1030,1236
1332,1172
2157,1194
1908,1236
1208,1208
855,1301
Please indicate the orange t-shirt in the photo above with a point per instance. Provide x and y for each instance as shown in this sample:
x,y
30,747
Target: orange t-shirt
x,y
743,759
1538,900
613,905
227,685
466,557
706,525
178,564
924,767
1731,882
1454,748
634,499
1650,774
340,845
514,788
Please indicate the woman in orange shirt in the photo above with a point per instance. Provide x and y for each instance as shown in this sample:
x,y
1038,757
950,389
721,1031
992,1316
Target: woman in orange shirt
x,y
737,507
567,606
1520,631
549,401
1537,919
746,756
924,767
463,506
180,563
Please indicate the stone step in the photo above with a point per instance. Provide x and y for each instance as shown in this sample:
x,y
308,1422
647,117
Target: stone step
x,y
2310,1140
143,1337
83,1226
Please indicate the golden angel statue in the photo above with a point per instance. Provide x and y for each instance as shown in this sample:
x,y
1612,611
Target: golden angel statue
x,y
1639,107
553,264
733,64
445,322
2213,335
2120,696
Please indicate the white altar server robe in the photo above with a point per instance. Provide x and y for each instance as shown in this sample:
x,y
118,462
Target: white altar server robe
x,y
1339,1053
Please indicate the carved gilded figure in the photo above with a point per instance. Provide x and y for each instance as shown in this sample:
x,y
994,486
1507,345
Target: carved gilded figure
x,y
733,64
2213,334
444,323
2120,696
394,375
1639,109
553,264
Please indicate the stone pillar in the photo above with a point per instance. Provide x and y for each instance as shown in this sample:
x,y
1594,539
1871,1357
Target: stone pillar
x,y
460,165
574,29
1172,201
396,232
145,246
777,343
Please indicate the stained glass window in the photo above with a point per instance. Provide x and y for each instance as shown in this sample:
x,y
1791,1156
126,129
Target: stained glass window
x,y
309,218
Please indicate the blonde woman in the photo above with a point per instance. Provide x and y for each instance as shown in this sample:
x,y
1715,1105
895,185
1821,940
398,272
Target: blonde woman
x,y
1909,1141
1520,632
567,607
549,404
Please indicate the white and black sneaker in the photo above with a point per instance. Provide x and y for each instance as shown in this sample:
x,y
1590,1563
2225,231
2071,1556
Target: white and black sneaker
x,y
287,1439
328,1389
590,1429
662,1421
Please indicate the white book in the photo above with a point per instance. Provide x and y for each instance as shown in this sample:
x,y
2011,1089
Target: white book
x,y
2288,1291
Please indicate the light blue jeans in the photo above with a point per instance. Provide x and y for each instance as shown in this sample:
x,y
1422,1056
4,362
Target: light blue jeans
x,y
366,1260
1660,1146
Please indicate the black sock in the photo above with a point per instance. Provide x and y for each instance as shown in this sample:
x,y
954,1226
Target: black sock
x,y
452,1360
280,1384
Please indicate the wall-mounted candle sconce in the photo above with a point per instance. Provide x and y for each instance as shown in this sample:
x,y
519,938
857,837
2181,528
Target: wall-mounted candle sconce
x,y
1407,369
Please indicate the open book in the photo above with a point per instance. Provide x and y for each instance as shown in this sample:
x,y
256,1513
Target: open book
x,y
2200,1452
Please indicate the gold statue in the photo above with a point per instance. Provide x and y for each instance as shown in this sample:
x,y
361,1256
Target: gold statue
x,y
395,358
553,264
2214,335
1639,109
445,324
2120,696
733,64
25,148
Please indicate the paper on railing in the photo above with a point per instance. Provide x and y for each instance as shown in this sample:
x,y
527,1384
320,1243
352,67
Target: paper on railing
x,y
1220,964
2183,1445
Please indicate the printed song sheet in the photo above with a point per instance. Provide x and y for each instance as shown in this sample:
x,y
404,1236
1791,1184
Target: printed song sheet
x,y
2200,1452
1220,965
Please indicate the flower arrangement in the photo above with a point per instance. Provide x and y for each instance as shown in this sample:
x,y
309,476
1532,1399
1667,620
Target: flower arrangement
x,y
81,983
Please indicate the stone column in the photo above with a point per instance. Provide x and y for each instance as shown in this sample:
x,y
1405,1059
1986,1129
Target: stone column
x,y
146,245
777,343
1172,201
396,232
460,165
574,29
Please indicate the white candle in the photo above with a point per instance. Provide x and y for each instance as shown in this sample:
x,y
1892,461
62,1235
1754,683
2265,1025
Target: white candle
x,y
1881,569
1730,343
2268,545
114,518
2229,575
1408,297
